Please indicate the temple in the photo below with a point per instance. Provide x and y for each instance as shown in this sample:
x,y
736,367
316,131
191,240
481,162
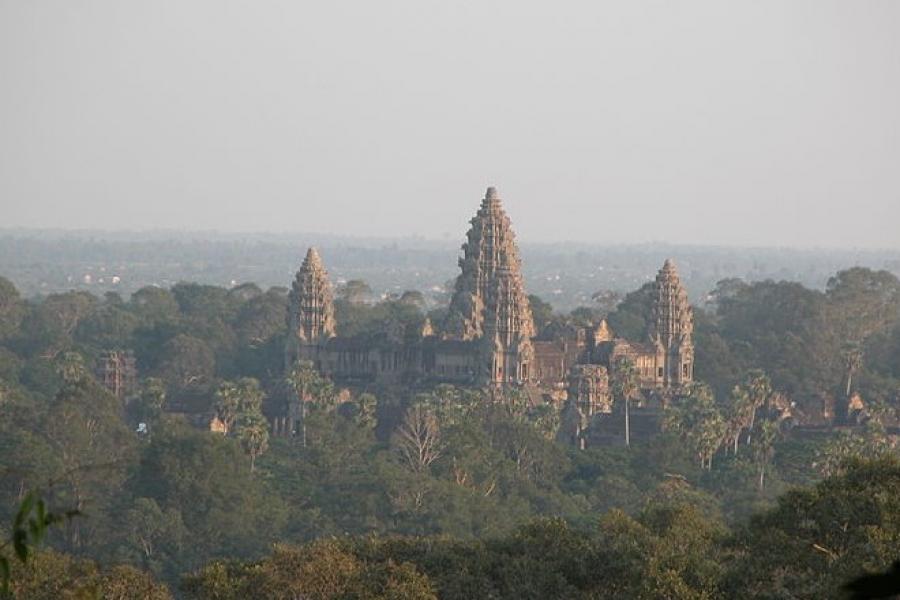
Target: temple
x,y
311,314
489,337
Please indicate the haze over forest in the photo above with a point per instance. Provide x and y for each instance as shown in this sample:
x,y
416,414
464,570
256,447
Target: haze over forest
x,y
567,275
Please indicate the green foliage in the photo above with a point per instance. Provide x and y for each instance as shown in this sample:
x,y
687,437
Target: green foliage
x,y
12,309
29,528
354,291
541,312
816,539
324,570
207,479
695,416
176,499
392,318
629,319
54,576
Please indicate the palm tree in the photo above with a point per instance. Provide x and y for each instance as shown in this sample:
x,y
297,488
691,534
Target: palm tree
x,y
698,421
310,387
626,387
853,356
764,449
740,415
253,434
759,387
228,404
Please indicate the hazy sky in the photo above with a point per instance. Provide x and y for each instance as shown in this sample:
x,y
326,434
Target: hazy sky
x,y
713,122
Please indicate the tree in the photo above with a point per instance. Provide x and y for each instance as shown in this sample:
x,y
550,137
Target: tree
x,y
155,305
91,447
253,433
238,399
629,319
310,388
109,326
151,402
53,575
72,370
32,522
228,404
784,329
418,439
852,355
261,318
365,409
355,291
626,387
816,539
667,551
851,447
862,301
189,363
321,570
764,449
12,309
758,388
51,325
148,536
206,478
739,416
541,312
607,301
413,298
696,418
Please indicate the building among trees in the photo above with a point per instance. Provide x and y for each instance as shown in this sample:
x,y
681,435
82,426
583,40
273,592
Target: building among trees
x,y
489,337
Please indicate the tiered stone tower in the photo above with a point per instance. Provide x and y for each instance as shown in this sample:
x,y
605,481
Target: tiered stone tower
x,y
310,311
489,301
672,327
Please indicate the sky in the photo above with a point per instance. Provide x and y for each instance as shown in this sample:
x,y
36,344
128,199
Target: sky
x,y
722,122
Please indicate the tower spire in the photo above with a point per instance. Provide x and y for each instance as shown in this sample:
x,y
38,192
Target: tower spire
x,y
489,300
672,325
311,307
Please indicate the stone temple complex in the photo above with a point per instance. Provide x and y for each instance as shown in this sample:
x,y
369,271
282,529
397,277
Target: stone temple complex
x,y
489,337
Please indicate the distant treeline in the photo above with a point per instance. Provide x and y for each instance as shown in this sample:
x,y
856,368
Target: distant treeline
x,y
566,274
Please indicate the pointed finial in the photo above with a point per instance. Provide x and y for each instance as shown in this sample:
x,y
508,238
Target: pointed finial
x,y
668,271
312,258
669,267
491,194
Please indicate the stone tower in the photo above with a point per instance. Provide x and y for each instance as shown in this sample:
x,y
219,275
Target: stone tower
x,y
672,327
489,301
310,311
587,395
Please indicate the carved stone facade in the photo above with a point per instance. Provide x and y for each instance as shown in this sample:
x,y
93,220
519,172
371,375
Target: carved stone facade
x,y
672,327
310,311
490,335
587,396
489,300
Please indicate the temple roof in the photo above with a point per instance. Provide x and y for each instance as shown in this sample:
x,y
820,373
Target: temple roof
x,y
313,260
489,295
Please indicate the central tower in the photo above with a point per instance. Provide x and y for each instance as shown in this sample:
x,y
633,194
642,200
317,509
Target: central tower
x,y
672,327
310,316
489,301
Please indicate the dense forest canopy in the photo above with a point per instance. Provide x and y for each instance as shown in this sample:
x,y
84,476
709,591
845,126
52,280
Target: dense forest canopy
x,y
441,491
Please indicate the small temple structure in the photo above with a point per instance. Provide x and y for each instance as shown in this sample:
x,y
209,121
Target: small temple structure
x,y
117,372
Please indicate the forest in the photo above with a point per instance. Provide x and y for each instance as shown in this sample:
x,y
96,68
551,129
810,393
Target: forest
x,y
777,475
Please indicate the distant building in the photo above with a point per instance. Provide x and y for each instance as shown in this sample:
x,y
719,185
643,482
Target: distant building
x,y
117,371
490,338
